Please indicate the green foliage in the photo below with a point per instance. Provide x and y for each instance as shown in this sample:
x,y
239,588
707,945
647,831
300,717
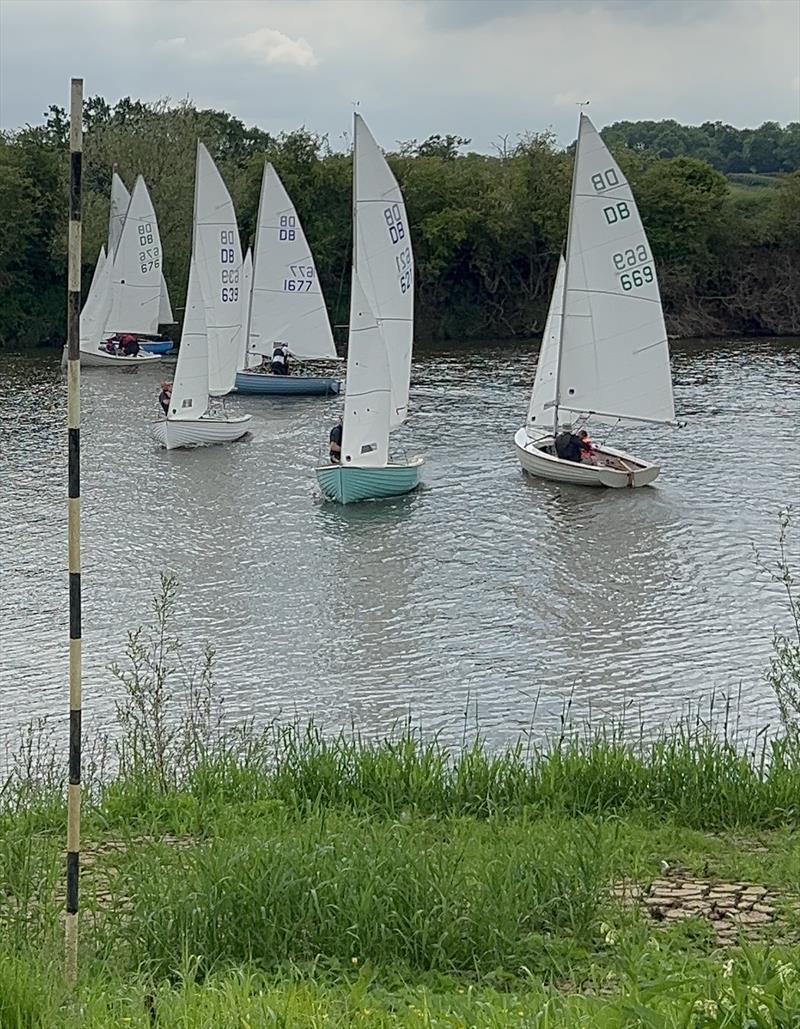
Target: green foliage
x,y
767,149
487,230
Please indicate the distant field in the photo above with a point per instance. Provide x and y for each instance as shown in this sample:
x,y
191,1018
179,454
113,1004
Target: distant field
x,y
749,180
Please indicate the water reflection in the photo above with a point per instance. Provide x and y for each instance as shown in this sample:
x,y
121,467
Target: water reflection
x,y
485,585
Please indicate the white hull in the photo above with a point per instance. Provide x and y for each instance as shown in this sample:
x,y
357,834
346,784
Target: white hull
x,y
614,469
91,359
173,432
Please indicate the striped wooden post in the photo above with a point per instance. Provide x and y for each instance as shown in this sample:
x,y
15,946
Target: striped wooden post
x,y
74,527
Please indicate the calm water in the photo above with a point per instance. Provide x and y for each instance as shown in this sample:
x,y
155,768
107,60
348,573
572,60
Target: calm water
x,y
486,587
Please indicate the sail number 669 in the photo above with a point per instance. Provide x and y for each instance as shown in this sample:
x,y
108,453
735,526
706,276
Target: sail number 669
x,y
638,277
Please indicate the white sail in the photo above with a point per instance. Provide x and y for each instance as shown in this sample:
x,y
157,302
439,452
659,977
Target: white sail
x,y
249,357
614,353
540,412
165,315
368,395
287,304
217,254
137,268
384,260
120,199
98,305
190,386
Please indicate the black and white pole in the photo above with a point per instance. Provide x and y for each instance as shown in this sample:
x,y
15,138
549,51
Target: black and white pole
x,y
74,526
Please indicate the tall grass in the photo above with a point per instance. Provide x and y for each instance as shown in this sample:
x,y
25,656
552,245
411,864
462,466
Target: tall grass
x,y
451,895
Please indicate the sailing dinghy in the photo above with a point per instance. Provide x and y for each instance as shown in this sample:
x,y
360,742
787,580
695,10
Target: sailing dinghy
x,y
604,354
380,338
126,288
212,327
120,199
286,301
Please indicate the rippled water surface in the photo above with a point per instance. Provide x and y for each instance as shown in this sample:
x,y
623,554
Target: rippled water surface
x,y
485,587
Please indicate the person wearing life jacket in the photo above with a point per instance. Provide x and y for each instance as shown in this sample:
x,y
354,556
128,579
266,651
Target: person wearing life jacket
x,y
588,453
279,364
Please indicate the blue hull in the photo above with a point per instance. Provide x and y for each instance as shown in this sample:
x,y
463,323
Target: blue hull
x,y
349,485
161,346
287,385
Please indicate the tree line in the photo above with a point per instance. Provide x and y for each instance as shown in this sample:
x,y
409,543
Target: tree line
x,y
487,229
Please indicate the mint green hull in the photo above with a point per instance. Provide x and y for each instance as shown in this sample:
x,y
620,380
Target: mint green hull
x,y
349,485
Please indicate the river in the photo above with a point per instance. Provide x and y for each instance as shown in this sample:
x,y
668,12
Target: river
x,y
485,591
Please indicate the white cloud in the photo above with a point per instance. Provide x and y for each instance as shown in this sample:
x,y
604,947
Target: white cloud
x,y
479,68
268,46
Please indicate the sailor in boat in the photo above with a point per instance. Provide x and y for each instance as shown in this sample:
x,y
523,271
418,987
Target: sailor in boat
x,y
568,446
165,396
588,453
279,364
336,442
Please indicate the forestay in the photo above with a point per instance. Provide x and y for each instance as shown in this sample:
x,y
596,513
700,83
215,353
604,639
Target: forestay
x,y
217,253
98,305
136,276
120,199
540,413
190,386
614,352
287,302
368,397
384,260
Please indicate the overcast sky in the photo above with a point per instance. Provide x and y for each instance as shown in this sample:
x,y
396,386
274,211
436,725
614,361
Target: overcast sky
x,y
478,68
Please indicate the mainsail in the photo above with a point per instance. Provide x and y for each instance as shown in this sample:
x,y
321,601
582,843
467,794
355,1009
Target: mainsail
x,y
136,276
384,260
217,253
287,302
614,357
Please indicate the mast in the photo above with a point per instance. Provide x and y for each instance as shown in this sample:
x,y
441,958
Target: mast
x,y
566,279
353,266
355,192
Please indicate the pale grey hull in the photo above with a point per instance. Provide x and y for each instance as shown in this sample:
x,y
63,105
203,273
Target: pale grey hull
x,y
173,433
91,359
622,471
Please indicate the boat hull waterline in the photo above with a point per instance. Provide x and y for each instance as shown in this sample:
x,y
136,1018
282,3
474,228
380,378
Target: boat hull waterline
x,y
536,461
349,485
174,433
287,385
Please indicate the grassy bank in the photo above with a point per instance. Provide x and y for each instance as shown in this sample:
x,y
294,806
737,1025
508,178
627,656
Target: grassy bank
x,y
280,877
285,879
